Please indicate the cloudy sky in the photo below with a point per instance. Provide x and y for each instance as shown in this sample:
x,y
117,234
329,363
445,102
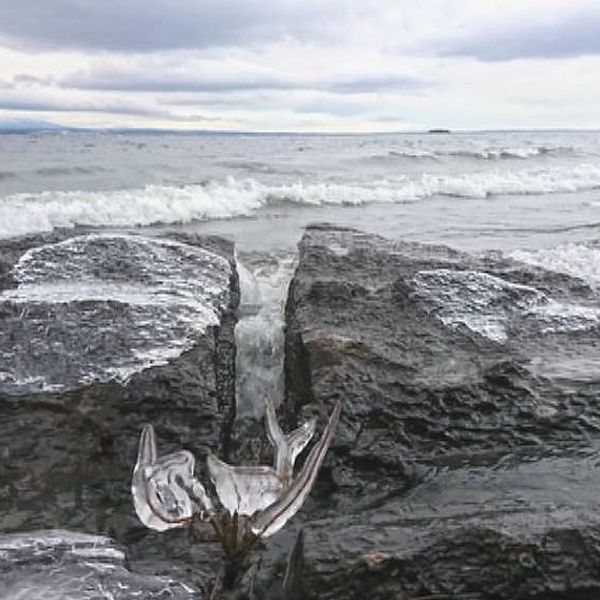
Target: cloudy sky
x,y
302,65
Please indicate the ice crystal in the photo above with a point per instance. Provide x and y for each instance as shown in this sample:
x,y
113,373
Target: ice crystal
x,y
244,490
165,492
256,501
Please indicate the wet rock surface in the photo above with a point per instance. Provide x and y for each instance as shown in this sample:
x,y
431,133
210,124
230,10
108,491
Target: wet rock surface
x,y
62,565
100,334
518,554
465,464
440,357
527,530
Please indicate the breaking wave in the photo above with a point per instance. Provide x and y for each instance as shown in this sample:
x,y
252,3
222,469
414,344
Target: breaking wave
x,y
22,214
517,152
62,171
490,153
580,260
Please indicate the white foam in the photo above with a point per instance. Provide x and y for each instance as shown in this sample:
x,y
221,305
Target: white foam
x,y
22,214
483,184
259,333
578,260
507,152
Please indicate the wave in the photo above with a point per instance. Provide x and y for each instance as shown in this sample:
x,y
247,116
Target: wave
x,y
483,154
61,171
581,260
502,153
409,154
22,214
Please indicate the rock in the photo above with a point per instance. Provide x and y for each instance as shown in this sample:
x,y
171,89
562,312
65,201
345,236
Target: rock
x,y
518,554
466,462
102,333
61,565
520,531
440,358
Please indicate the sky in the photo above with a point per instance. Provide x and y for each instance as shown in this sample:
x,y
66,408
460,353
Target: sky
x,y
302,65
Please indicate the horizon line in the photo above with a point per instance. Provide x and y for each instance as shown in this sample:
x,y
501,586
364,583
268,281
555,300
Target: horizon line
x,y
17,128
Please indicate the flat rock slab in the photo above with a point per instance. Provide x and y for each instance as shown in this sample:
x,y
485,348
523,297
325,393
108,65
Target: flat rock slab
x,y
438,357
63,565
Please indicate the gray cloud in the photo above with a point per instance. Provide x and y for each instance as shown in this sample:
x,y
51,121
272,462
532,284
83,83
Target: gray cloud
x,y
165,80
333,108
42,105
141,25
567,35
383,83
172,82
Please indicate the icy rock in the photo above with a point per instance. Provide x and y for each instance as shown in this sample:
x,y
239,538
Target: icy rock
x,y
63,565
74,446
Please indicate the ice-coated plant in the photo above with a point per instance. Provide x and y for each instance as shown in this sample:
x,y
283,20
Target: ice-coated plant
x,y
254,502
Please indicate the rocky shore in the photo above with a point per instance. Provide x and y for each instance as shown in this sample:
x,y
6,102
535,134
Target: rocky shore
x,y
465,464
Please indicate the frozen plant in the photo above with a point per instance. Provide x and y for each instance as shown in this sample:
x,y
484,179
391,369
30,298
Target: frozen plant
x,y
254,501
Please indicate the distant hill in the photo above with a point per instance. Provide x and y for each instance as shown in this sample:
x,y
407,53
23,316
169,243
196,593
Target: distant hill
x,y
24,126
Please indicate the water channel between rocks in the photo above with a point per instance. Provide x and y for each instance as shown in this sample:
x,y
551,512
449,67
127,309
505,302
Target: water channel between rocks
x,y
259,333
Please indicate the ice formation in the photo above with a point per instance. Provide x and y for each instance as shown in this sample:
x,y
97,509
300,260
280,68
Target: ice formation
x,y
165,492
259,499
287,447
244,490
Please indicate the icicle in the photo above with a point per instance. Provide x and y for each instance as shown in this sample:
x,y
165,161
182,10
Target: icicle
x,y
273,518
287,447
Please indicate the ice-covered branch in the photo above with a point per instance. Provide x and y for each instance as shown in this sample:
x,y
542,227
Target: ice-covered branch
x,y
274,517
256,501
287,447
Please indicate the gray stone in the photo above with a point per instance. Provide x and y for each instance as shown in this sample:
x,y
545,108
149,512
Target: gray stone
x,y
466,461
101,333
440,358
63,565
493,554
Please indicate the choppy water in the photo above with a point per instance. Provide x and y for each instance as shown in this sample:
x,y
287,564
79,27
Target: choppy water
x,y
482,190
